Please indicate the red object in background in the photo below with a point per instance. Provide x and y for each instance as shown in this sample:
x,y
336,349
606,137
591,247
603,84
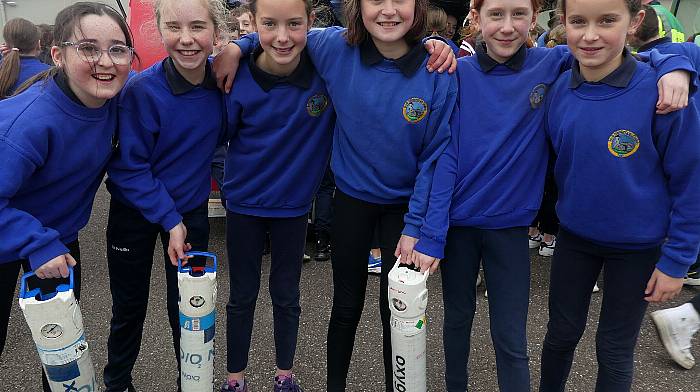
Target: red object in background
x,y
214,187
146,36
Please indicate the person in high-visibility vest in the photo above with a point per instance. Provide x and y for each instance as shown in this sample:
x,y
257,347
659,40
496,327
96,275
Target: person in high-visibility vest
x,y
669,25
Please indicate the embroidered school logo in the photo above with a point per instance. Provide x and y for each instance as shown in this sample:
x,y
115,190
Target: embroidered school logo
x,y
623,143
414,110
537,95
316,105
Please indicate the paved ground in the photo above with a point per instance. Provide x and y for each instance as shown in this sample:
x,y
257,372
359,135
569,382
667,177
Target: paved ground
x,y
19,366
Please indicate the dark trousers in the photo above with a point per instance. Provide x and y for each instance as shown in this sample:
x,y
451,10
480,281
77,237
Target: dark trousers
x,y
245,239
9,273
506,262
546,219
324,203
696,303
131,242
352,229
575,268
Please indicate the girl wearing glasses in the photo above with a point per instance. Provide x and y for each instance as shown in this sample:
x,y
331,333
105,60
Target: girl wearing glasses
x,y
170,122
55,141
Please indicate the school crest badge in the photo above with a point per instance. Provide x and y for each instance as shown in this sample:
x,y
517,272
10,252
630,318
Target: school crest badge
x,y
623,143
537,95
414,110
316,105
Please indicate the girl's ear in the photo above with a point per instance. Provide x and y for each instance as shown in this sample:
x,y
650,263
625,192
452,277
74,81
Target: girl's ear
x,y
475,18
312,18
636,22
57,56
533,22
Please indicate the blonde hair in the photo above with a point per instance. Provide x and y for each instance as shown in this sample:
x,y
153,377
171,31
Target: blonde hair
x,y
217,11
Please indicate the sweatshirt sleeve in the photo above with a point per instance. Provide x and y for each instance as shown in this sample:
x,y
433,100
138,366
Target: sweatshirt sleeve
x,y
130,168
433,233
20,232
677,139
666,63
436,138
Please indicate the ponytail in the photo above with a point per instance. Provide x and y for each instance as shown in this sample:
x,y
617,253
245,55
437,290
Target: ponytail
x,y
9,73
23,37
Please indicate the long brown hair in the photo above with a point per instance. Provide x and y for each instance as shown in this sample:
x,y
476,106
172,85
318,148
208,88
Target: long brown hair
x,y
22,36
357,32
67,21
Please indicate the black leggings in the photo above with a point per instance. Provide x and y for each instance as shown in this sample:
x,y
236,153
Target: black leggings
x,y
546,219
353,225
8,280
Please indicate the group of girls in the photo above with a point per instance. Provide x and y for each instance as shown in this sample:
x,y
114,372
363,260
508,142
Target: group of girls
x,y
439,171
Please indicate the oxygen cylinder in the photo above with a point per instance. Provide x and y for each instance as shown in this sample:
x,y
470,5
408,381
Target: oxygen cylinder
x,y
57,329
197,305
408,299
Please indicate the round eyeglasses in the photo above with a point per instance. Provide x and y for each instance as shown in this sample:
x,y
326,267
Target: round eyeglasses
x,y
91,53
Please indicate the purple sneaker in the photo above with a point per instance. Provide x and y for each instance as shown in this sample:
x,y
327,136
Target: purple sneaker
x,y
234,386
287,384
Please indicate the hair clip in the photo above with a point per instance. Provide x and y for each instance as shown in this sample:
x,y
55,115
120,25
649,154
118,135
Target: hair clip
x,y
15,49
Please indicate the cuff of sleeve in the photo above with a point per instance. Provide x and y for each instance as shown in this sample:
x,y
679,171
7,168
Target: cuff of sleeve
x,y
672,268
431,247
411,230
42,255
679,63
170,220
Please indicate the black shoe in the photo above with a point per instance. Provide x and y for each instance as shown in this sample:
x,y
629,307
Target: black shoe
x,y
323,247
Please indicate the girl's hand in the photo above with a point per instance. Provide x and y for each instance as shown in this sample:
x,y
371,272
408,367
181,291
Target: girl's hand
x,y
441,56
404,249
225,66
673,92
425,262
662,287
4,49
177,246
56,267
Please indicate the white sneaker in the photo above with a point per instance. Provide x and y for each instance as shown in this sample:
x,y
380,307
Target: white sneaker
x,y
547,249
534,240
676,327
596,288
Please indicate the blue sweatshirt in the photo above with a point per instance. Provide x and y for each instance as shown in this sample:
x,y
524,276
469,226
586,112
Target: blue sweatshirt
x,y
53,152
666,46
631,178
280,132
392,120
168,130
28,67
491,175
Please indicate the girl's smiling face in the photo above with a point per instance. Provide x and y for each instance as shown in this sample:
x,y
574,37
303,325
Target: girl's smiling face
x,y
188,34
388,21
282,26
505,26
596,32
93,82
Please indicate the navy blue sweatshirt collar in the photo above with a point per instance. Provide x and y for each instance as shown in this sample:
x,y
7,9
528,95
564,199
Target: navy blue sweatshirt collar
x,y
487,64
179,85
408,63
649,45
62,83
620,77
300,77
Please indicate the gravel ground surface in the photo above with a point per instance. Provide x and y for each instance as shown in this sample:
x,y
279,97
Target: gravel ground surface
x,y
155,368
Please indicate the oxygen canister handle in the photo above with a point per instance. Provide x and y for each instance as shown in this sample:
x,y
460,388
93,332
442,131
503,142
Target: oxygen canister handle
x,y
398,264
210,255
23,282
